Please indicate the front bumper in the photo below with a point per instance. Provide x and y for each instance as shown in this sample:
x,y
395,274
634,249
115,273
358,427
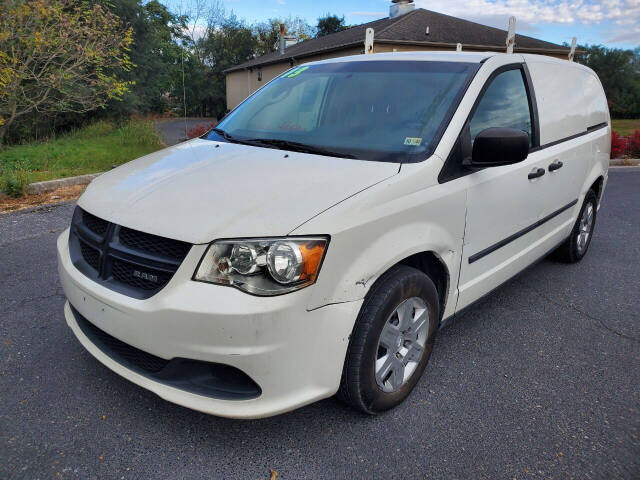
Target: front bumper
x,y
294,355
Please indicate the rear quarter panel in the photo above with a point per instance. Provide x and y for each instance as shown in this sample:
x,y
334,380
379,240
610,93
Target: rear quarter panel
x,y
571,100
600,139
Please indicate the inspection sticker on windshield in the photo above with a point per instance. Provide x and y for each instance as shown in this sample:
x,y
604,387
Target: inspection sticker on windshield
x,y
415,141
295,72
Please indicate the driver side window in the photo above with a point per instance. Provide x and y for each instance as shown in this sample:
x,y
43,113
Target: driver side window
x,y
504,104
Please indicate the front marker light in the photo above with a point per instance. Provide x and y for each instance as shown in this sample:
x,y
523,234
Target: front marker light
x,y
267,266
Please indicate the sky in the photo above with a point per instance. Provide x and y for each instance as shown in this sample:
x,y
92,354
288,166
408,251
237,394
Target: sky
x,y
614,23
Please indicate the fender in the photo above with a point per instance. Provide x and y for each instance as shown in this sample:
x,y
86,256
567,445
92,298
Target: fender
x,y
388,216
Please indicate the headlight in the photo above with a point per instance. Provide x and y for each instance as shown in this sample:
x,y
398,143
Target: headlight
x,y
265,266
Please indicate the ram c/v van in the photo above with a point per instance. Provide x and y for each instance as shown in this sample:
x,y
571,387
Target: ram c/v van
x,y
315,241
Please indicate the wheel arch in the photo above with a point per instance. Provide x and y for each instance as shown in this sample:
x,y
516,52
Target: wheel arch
x,y
597,186
432,265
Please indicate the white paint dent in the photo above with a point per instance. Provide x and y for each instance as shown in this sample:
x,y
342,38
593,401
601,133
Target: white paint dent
x,y
406,214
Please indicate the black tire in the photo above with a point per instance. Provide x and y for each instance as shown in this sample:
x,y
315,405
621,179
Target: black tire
x,y
359,387
569,252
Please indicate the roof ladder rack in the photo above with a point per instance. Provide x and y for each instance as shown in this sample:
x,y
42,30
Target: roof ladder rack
x,y
572,53
368,41
511,34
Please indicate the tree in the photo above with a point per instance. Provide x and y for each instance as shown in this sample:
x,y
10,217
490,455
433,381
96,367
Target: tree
x,y
619,72
330,24
59,56
202,15
155,54
228,44
298,27
268,33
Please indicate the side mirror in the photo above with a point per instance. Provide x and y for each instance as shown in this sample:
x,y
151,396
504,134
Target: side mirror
x,y
494,147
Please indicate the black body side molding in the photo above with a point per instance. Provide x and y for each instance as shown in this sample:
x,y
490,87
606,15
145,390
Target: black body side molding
x,y
515,236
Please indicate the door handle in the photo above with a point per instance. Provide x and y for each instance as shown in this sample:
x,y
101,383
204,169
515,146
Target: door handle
x,y
556,165
536,172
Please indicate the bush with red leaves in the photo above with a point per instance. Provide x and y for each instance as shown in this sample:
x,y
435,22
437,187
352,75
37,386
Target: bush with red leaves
x,y
201,129
633,144
618,145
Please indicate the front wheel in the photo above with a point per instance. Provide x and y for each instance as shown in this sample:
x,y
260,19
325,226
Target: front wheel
x,y
391,342
575,247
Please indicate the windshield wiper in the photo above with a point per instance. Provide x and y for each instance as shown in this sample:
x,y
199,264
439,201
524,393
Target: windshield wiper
x,y
296,147
281,144
225,135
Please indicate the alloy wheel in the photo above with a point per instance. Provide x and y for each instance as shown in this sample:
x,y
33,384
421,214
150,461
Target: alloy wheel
x,y
402,343
585,227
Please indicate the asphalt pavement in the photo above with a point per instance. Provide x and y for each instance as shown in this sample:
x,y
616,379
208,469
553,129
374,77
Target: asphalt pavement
x,y
540,380
175,130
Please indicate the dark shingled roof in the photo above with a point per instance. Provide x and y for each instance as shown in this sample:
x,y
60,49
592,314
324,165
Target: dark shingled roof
x,y
411,30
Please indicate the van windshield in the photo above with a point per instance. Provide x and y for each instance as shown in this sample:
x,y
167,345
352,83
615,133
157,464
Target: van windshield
x,y
393,111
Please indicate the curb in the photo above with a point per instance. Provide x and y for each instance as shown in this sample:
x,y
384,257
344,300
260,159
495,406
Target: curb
x,y
624,162
50,185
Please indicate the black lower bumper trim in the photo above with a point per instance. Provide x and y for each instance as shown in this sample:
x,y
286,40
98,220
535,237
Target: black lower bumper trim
x,y
213,380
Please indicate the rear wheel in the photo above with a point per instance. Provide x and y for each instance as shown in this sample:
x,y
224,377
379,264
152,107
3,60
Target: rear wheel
x,y
391,342
575,247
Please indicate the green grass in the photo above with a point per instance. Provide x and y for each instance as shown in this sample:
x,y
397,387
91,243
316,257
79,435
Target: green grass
x,y
625,127
91,149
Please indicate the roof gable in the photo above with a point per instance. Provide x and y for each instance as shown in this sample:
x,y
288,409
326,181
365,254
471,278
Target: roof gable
x,y
409,28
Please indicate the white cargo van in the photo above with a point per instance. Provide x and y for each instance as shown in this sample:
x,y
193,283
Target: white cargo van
x,y
314,242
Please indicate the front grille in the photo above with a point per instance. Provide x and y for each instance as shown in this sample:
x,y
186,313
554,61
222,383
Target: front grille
x,y
95,224
135,263
153,244
90,255
126,273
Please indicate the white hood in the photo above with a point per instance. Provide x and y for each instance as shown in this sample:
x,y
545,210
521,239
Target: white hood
x,y
197,191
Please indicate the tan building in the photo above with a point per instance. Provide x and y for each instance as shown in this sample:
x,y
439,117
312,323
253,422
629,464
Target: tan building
x,y
405,29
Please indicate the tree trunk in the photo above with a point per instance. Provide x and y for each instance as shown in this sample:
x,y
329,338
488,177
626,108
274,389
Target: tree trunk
x,y
4,128
3,132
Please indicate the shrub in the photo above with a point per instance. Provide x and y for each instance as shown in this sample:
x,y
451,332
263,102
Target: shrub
x,y
91,130
14,182
200,130
138,132
618,145
633,144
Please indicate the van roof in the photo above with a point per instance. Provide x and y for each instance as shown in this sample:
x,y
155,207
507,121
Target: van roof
x,y
441,56
544,58
438,56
